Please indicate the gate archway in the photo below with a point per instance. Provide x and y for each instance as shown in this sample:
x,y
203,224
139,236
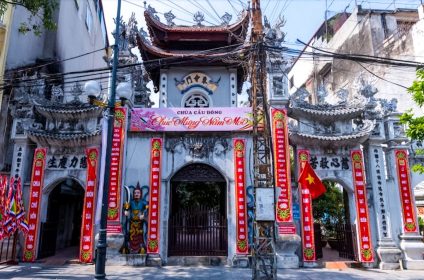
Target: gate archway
x,y
334,214
197,218
62,227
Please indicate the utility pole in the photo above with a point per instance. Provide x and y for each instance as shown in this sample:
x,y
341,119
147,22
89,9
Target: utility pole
x,y
264,265
100,267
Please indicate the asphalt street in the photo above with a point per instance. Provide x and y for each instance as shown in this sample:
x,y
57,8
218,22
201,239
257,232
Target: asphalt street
x,y
77,272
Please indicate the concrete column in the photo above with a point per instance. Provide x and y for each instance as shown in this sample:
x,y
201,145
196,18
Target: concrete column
x,y
410,242
387,251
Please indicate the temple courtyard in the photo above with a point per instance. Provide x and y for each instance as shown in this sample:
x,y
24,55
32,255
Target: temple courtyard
x,y
76,271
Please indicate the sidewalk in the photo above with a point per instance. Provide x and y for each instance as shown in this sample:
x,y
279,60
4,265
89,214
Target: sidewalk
x,y
77,272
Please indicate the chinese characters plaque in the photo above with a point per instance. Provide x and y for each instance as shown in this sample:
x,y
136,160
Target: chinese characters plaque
x,y
364,234
87,240
281,165
37,182
408,212
307,219
242,247
113,213
155,181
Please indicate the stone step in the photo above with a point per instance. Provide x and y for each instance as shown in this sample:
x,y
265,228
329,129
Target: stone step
x,y
197,260
341,265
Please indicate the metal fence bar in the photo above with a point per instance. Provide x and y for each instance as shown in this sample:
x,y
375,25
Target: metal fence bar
x,y
197,231
8,250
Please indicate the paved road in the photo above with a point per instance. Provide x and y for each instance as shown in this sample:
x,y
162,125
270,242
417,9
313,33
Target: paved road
x,y
77,272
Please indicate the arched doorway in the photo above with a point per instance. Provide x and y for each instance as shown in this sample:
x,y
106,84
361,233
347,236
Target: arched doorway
x,y
62,228
197,218
335,234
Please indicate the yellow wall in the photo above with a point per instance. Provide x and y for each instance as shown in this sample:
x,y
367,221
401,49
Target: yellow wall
x,y
4,39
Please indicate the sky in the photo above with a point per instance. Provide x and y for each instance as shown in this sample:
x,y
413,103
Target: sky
x,y
303,17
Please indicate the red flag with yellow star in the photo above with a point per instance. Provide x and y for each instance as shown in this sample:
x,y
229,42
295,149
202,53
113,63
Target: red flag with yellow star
x,y
311,181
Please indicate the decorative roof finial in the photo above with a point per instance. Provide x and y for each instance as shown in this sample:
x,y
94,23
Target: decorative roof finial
x,y
226,18
169,16
199,18
151,11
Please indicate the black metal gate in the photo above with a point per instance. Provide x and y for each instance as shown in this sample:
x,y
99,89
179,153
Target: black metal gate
x,y
318,242
8,249
197,231
346,237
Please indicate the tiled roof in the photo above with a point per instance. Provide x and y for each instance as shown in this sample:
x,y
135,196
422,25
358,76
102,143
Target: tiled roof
x,y
325,113
77,139
64,111
324,140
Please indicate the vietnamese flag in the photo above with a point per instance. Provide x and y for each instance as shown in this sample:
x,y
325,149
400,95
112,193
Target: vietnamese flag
x,y
311,181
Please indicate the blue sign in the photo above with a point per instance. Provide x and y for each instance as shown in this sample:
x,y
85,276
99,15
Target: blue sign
x,y
296,211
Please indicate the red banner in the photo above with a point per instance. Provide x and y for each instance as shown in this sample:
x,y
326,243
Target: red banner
x,y
87,234
406,198
364,234
242,247
281,165
36,187
307,219
113,213
154,199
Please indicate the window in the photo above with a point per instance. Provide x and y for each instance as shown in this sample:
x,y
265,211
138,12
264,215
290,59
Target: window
x,y
196,100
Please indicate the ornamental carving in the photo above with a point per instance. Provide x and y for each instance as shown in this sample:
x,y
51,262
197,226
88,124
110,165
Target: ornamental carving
x,y
198,172
198,146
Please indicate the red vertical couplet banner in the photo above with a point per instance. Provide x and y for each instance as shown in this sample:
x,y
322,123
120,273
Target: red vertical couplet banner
x,y
154,200
87,233
364,234
281,165
113,212
307,218
406,198
36,188
242,246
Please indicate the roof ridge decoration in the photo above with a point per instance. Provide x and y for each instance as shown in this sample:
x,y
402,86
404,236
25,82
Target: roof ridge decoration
x,y
169,16
343,103
199,17
226,18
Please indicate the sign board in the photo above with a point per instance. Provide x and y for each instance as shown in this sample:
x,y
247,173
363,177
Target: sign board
x,y
191,119
265,204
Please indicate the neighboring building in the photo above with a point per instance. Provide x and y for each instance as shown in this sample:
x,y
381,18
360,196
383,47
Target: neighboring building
x,y
43,106
394,34
5,22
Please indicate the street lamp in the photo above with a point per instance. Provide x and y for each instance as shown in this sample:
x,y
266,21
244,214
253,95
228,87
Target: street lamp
x,y
100,272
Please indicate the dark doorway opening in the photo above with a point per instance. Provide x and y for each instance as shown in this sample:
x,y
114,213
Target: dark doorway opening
x,y
197,218
62,229
335,236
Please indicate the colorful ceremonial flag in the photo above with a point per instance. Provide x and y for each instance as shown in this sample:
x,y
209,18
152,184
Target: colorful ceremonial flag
x,y
3,185
309,179
15,212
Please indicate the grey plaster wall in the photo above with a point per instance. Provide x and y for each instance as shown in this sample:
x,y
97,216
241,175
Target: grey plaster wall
x,y
137,169
71,38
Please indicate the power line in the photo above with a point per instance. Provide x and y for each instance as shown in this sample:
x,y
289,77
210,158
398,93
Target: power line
x,y
381,78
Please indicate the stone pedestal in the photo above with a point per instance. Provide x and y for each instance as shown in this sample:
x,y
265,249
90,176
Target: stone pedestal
x,y
412,247
114,243
389,255
154,260
286,247
240,262
135,259
310,264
